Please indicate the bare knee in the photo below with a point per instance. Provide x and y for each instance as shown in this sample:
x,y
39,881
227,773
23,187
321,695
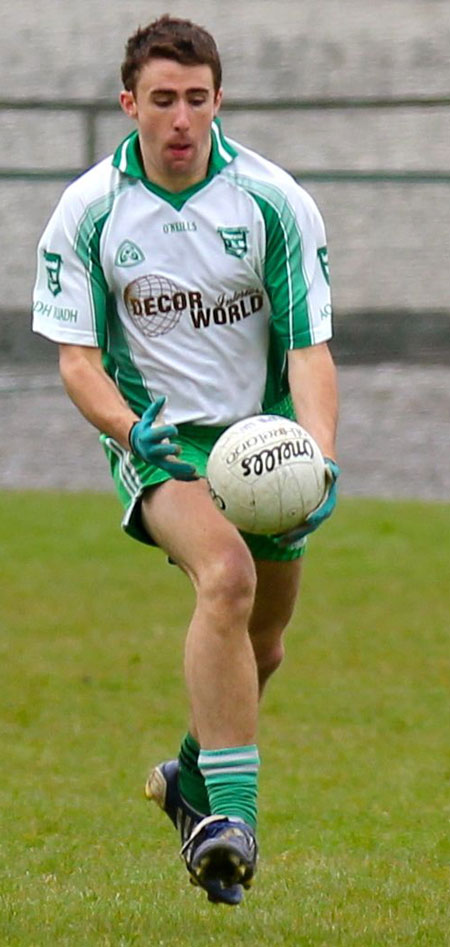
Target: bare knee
x,y
227,583
268,659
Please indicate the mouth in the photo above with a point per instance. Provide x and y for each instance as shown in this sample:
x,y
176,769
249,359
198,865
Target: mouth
x,y
179,149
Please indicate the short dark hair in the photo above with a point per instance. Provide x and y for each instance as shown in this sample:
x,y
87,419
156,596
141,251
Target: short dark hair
x,y
170,38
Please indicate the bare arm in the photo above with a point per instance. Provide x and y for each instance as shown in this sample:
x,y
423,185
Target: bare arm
x,y
313,385
94,393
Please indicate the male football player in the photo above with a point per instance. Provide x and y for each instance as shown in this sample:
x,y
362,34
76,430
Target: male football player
x,y
185,279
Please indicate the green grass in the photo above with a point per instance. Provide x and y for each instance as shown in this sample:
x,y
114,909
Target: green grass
x,y
354,737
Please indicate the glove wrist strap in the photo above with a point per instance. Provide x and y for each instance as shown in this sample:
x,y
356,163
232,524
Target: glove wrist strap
x,y
130,434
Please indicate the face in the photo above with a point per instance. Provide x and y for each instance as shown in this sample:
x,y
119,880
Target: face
x,y
174,106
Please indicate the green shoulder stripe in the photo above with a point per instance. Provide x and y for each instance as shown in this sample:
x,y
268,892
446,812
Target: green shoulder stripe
x,y
87,247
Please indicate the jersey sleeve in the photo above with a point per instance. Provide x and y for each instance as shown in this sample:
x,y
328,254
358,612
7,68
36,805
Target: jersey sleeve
x,y
70,294
296,270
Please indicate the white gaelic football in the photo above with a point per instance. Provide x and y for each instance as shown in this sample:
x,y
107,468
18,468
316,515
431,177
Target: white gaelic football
x,y
265,474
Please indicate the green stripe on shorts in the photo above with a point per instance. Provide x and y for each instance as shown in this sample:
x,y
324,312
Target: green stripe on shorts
x,y
132,476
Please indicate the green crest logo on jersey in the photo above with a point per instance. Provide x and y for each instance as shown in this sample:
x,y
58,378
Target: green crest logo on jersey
x,y
129,254
323,257
53,264
235,240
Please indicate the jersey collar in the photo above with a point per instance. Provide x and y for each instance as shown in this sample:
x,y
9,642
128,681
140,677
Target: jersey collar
x,y
127,158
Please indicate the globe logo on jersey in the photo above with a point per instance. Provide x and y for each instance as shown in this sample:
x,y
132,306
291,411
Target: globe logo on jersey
x,y
154,304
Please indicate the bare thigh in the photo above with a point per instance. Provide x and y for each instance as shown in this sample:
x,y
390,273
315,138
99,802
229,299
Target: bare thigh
x,y
183,520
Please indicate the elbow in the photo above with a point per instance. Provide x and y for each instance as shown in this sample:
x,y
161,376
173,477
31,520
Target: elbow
x,y
74,360
70,365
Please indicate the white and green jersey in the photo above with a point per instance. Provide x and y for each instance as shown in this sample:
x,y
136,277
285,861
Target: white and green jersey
x,y
195,295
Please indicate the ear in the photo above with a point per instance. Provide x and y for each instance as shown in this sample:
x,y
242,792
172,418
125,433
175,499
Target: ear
x,y
218,101
128,103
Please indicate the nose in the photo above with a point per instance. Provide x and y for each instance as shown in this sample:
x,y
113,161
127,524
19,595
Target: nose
x,y
181,117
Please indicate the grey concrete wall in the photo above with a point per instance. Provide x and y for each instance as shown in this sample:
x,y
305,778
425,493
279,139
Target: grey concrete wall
x,y
388,242
304,47
393,434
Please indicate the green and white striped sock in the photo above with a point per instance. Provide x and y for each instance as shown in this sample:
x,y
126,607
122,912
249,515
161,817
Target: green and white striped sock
x,y
231,778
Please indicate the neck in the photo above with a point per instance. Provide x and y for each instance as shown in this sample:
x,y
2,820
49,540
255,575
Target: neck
x,y
172,181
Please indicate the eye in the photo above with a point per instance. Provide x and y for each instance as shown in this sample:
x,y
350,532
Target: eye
x,y
198,100
162,101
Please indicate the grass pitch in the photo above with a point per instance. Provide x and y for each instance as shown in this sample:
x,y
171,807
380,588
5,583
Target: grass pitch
x,y
354,737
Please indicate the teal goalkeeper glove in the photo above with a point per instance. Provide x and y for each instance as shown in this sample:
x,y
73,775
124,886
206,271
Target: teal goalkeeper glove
x,y
321,513
146,442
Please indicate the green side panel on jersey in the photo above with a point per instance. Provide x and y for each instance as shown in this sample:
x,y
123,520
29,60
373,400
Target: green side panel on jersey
x,y
119,364
277,387
110,334
284,277
285,285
